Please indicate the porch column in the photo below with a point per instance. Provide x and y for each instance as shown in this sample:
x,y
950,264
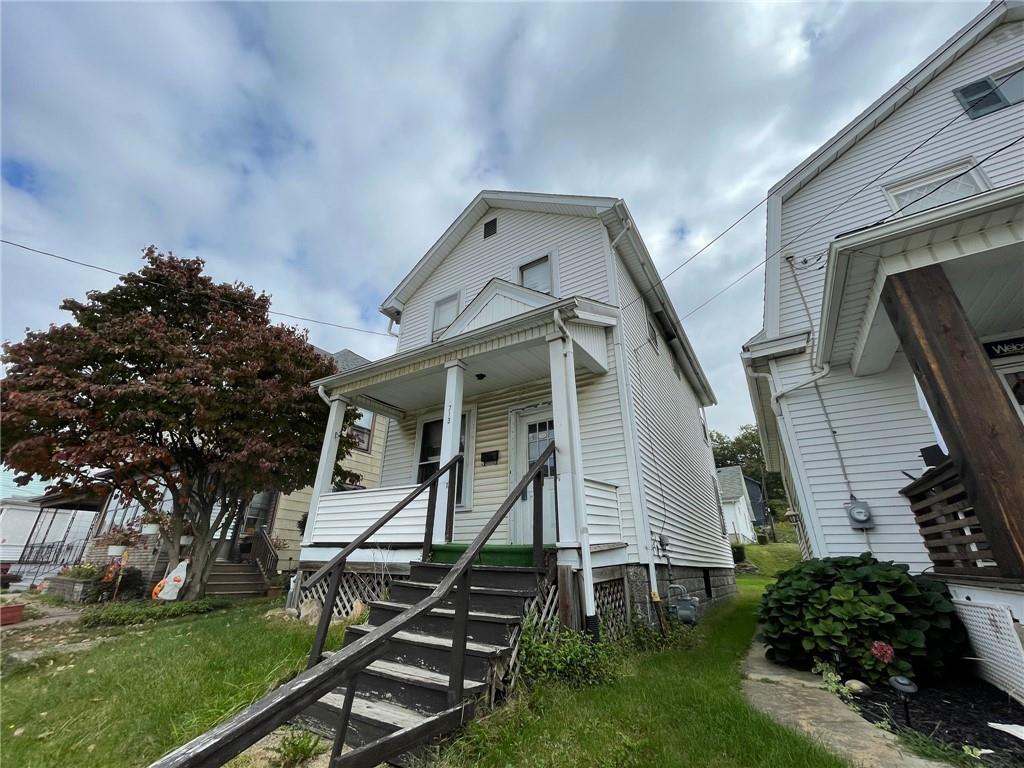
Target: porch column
x,y
984,433
328,458
573,533
450,433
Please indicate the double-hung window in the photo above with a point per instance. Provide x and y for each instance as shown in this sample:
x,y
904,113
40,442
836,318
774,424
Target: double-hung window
x,y
362,430
536,275
429,458
445,312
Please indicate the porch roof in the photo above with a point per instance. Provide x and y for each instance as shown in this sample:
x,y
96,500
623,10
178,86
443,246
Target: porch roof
x,y
978,240
498,355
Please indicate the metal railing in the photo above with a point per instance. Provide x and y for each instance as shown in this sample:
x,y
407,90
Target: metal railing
x,y
227,740
53,553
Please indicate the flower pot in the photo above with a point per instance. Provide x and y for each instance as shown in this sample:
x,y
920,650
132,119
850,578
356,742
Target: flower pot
x,y
116,550
150,529
186,541
11,613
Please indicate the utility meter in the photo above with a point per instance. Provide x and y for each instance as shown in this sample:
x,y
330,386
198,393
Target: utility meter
x,y
859,513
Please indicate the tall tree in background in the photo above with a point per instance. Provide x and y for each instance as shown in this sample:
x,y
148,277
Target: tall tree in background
x,y
744,450
168,380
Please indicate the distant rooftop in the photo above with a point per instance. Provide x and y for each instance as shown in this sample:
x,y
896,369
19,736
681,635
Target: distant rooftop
x,y
345,359
730,482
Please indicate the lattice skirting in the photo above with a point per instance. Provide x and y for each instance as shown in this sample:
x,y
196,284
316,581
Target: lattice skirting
x,y
996,643
362,587
612,608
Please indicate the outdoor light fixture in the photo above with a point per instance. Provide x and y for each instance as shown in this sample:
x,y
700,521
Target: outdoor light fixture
x,y
836,652
481,376
905,687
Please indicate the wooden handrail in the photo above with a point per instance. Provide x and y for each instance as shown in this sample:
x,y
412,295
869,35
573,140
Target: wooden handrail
x,y
361,538
264,553
225,741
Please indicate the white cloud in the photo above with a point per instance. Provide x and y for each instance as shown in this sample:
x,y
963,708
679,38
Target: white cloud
x,y
317,150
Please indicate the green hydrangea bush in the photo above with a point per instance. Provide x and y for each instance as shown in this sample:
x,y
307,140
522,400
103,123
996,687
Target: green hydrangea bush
x,y
874,616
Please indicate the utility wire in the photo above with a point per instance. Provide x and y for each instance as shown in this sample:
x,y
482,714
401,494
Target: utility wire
x,y
966,109
164,285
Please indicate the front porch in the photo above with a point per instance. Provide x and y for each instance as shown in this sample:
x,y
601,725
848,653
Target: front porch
x,y
946,287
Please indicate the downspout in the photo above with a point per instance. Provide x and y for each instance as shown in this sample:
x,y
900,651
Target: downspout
x,y
825,371
323,394
583,531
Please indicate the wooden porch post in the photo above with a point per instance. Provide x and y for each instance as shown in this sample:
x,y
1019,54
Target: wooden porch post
x,y
328,458
572,514
451,431
984,433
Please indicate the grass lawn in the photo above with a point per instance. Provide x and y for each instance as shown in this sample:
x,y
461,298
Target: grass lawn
x,y
133,698
770,559
675,708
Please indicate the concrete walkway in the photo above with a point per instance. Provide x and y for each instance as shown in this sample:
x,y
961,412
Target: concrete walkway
x,y
797,700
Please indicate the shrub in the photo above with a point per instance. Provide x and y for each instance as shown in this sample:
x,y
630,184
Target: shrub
x,y
144,611
132,586
739,553
549,653
880,620
7,578
81,571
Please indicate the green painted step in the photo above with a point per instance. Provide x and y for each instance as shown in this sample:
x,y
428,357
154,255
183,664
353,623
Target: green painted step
x,y
491,554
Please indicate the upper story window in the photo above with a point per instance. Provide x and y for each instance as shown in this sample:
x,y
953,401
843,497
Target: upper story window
x,y
946,186
990,94
536,275
652,332
445,312
490,228
362,429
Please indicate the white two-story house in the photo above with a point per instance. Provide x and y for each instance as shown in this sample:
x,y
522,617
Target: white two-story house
x,y
894,322
538,318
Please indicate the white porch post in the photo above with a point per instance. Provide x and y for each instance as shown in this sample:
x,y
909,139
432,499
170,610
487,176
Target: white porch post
x,y
328,458
450,432
572,514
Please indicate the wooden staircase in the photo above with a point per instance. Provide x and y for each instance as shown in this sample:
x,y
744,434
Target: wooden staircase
x,y
415,672
236,580
407,687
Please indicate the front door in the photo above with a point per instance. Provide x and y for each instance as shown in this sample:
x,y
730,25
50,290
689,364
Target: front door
x,y
535,430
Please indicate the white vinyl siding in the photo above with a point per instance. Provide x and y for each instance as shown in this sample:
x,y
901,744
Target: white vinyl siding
x,y
879,423
676,466
574,244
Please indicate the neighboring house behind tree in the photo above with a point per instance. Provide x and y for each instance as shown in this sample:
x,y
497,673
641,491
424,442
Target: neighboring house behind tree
x,y
737,505
896,323
370,431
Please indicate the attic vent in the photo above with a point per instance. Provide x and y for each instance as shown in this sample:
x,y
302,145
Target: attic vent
x,y
490,228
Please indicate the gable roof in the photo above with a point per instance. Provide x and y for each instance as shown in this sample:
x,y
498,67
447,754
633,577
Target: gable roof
x,y
992,16
730,482
525,298
344,359
622,231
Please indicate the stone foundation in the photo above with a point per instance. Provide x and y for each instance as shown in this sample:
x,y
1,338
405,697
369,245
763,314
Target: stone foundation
x,y
711,586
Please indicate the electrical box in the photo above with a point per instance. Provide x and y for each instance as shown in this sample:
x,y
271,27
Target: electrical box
x,y
859,513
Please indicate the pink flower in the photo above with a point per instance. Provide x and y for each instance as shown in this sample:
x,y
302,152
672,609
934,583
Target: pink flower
x,y
882,651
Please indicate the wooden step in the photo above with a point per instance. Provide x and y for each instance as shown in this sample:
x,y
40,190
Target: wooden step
x,y
433,653
501,576
408,686
492,599
493,628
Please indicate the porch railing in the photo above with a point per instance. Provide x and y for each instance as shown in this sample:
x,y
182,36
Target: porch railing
x,y
945,517
227,740
53,553
264,553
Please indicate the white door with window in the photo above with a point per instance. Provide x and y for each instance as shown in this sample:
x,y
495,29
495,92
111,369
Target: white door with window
x,y
534,431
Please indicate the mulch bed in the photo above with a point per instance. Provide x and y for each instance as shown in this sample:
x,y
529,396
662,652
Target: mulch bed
x,y
957,714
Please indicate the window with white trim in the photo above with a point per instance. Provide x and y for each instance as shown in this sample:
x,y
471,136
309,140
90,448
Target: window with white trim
x,y
536,275
429,457
991,94
362,430
939,188
445,312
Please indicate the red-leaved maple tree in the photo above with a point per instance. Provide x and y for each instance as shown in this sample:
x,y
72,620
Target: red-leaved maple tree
x,y
169,381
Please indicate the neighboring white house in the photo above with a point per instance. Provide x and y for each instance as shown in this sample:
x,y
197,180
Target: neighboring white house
x,y
539,318
737,506
847,371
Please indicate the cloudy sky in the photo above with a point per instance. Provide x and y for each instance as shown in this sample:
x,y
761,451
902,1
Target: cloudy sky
x,y
316,151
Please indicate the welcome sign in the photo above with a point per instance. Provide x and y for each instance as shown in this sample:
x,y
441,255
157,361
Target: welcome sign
x,y
1004,347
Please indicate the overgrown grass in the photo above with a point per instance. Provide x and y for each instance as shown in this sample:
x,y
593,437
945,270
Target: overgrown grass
x,y
130,700
675,708
772,559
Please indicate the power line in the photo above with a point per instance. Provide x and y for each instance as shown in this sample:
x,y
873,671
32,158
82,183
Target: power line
x,y
787,245
164,285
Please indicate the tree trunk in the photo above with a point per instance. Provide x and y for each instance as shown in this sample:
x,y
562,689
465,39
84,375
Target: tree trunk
x,y
200,567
